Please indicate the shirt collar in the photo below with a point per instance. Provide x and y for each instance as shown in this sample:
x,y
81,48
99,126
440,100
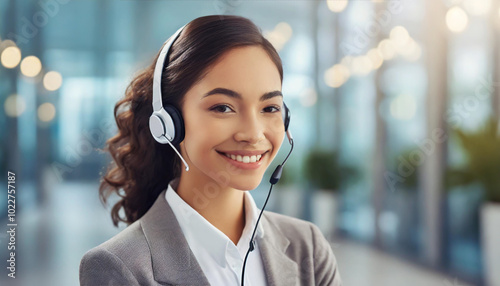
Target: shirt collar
x,y
200,231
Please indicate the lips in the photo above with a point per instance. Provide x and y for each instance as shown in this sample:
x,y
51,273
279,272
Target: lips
x,y
244,152
244,156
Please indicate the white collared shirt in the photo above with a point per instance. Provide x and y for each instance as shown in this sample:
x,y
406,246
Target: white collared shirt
x,y
218,257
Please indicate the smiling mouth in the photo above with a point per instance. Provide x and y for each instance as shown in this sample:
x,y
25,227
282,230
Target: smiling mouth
x,y
244,159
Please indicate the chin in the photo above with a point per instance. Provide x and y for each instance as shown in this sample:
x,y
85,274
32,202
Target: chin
x,y
247,184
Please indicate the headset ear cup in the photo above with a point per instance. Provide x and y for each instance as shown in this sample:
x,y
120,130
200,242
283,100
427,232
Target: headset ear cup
x,y
178,123
286,116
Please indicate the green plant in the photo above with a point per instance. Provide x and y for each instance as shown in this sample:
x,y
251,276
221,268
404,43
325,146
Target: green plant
x,y
483,155
287,177
408,162
323,170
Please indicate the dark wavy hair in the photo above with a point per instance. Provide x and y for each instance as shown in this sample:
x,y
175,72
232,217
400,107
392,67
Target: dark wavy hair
x,y
141,168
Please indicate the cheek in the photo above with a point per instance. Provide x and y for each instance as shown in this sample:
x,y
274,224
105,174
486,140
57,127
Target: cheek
x,y
208,132
203,135
277,125
276,137
277,128
277,140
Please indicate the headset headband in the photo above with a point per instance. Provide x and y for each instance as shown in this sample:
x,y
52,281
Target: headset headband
x,y
157,98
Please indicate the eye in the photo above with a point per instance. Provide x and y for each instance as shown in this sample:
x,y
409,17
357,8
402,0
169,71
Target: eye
x,y
222,108
272,109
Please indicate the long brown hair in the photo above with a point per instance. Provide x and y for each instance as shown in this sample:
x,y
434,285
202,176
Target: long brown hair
x,y
141,168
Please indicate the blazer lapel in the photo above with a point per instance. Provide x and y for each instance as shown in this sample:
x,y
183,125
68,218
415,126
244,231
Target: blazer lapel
x,y
172,260
174,263
279,268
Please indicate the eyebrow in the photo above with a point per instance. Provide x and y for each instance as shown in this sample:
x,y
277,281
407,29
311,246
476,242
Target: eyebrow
x,y
234,94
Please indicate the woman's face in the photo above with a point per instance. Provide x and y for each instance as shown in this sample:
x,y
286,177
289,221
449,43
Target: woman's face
x,y
236,109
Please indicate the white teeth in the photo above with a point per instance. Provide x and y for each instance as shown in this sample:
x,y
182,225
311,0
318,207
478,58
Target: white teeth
x,y
244,159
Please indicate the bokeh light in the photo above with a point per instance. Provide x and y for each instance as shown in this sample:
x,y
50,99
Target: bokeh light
x,y
11,57
337,75
280,35
399,36
456,19
31,66
387,49
336,5
376,58
411,51
361,65
14,105
46,112
52,80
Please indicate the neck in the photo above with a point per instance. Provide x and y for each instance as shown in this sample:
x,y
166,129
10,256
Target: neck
x,y
222,206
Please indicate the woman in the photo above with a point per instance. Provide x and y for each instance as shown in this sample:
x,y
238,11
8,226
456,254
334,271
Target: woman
x,y
224,120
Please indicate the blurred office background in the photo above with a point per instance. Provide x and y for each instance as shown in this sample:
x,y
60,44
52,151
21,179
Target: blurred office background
x,y
395,108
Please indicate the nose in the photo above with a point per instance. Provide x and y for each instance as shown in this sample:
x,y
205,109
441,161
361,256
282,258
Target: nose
x,y
251,130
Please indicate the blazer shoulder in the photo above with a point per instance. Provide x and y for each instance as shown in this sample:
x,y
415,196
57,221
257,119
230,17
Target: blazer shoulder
x,y
126,242
290,226
308,247
116,259
101,267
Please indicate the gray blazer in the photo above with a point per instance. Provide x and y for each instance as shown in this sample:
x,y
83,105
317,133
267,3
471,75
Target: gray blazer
x,y
154,251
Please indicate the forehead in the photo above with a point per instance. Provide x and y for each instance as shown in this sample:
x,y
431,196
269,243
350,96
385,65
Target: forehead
x,y
247,70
